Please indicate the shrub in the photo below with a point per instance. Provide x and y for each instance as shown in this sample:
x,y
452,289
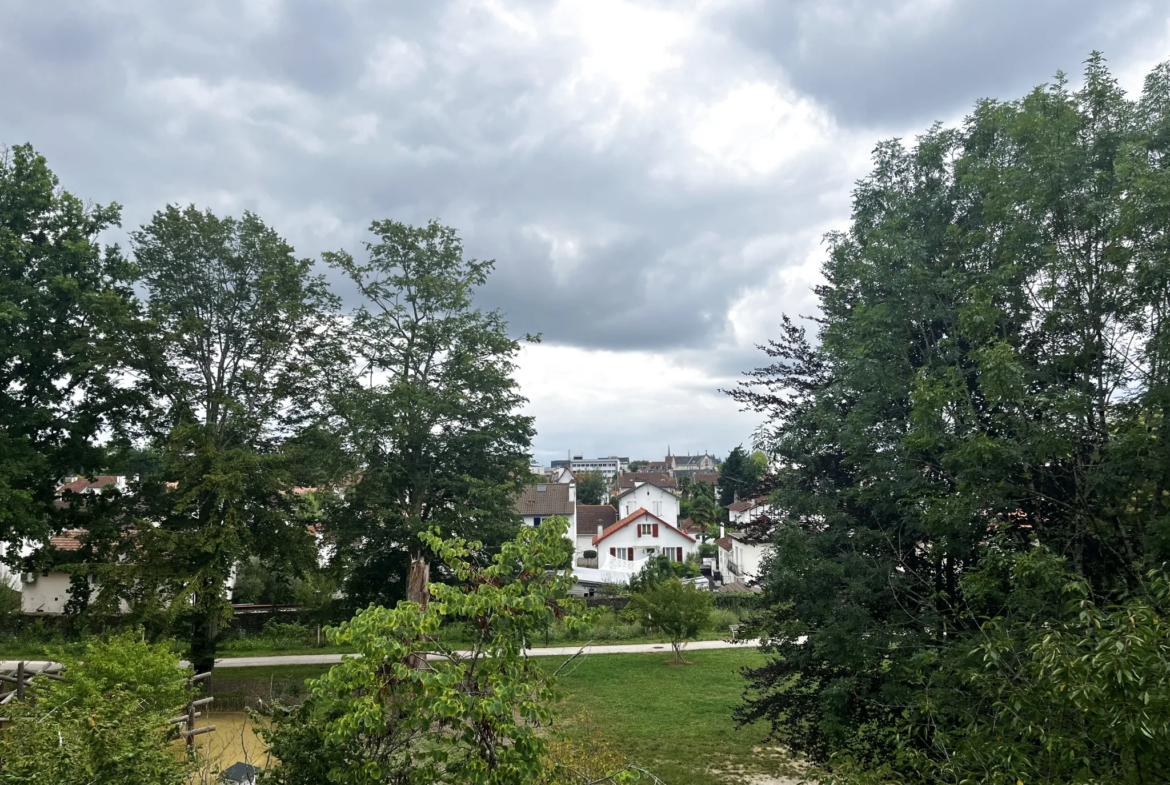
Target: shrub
x,y
387,717
677,609
722,619
282,635
104,722
607,626
707,550
589,554
739,601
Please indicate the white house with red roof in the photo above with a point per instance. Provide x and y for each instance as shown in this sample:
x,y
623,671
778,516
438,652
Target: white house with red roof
x,y
642,534
743,512
658,501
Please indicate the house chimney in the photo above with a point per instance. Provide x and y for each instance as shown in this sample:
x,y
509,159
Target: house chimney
x,y
573,491
722,531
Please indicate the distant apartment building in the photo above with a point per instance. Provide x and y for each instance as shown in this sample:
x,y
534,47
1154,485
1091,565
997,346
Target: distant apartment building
x,y
607,467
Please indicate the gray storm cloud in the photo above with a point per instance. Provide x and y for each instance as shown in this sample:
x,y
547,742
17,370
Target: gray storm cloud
x,y
652,178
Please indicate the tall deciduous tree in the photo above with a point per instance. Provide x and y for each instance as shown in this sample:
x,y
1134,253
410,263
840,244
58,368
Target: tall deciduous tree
x,y
992,358
68,320
432,415
244,335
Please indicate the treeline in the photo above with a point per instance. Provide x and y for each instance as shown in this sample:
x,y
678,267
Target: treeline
x,y
968,584
215,364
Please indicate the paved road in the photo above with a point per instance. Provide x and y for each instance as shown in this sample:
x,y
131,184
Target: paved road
x,y
551,651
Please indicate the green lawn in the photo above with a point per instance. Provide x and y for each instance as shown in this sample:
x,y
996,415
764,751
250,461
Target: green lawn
x,y
673,720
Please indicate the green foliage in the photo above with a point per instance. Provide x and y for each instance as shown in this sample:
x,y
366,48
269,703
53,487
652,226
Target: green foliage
x,y
385,717
991,374
105,722
432,417
70,339
244,339
9,603
591,488
740,475
590,554
677,609
1083,698
738,601
659,569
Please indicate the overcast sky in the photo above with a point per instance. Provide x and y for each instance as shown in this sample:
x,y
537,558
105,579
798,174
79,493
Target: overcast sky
x,y
652,179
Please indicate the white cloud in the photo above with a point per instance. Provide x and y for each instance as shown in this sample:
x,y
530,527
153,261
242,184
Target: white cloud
x,y
395,64
758,127
629,403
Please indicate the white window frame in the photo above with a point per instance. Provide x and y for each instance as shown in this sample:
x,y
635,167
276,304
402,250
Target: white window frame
x,y
645,530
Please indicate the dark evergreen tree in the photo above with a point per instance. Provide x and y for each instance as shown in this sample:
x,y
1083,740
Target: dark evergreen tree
x,y
990,367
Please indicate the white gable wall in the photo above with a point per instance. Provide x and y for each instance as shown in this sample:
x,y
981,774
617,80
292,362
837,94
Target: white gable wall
x,y
652,499
644,543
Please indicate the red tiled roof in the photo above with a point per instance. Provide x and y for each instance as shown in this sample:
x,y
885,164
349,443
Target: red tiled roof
x,y
689,526
83,484
711,478
546,499
635,515
593,518
68,540
661,479
624,491
747,504
724,543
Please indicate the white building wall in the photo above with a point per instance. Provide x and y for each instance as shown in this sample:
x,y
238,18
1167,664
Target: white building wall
x,y
47,594
606,467
646,544
739,519
748,558
652,499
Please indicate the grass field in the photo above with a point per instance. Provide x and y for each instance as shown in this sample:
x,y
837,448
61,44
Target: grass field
x,y
673,720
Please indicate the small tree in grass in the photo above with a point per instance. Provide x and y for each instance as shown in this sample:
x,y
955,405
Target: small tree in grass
x,y
675,608
473,717
104,722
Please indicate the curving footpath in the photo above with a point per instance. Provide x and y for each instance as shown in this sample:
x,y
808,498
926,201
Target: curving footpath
x,y
549,651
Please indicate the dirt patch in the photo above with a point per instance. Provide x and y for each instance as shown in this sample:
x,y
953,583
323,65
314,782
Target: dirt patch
x,y
772,765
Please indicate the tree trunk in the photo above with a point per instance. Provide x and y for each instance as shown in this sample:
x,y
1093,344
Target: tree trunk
x,y
204,640
420,576
416,591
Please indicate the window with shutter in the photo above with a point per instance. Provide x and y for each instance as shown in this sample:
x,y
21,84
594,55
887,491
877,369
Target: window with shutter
x,y
612,552
679,555
656,530
631,556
